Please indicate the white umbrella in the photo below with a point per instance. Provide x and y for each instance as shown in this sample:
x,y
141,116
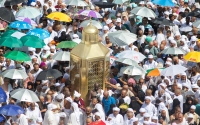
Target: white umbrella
x,y
133,70
24,95
196,24
119,1
62,56
30,12
174,51
127,61
14,74
77,3
173,70
143,11
122,38
185,28
97,24
134,55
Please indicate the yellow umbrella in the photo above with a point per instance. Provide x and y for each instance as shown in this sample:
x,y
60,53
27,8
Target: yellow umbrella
x,y
59,17
193,56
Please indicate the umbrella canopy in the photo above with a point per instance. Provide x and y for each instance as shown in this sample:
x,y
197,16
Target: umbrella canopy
x,y
41,33
165,3
173,70
29,12
3,96
49,74
17,55
67,44
27,20
173,51
185,28
11,110
196,24
97,24
133,70
32,41
8,33
77,3
143,11
127,61
14,74
13,2
11,42
59,17
2,118
163,21
62,56
137,56
6,15
122,38
155,72
104,4
193,56
195,13
24,95
119,1
90,13
20,25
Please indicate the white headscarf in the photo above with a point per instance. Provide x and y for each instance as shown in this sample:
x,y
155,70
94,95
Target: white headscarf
x,y
100,110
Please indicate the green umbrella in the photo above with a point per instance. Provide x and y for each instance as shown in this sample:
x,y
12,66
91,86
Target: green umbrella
x,y
17,55
153,69
67,44
8,33
32,41
11,42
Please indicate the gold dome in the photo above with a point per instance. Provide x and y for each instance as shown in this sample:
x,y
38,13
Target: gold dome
x,y
90,29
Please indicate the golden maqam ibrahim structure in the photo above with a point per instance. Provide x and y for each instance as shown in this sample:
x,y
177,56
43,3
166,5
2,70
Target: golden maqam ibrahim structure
x,y
90,62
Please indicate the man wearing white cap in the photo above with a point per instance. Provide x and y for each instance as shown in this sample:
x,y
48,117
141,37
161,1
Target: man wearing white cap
x,y
195,89
128,116
135,121
192,42
140,116
192,111
190,119
75,38
149,107
67,108
150,63
119,22
105,33
110,25
49,118
115,117
78,99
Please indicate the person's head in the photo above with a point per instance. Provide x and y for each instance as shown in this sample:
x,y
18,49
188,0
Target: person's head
x,y
177,110
57,27
41,98
180,117
163,113
146,117
94,101
32,106
97,116
154,119
36,67
8,61
116,111
147,100
148,92
145,20
88,110
123,93
142,111
194,69
107,40
177,92
192,109
88,121
135,121
130,113
106,94
150,58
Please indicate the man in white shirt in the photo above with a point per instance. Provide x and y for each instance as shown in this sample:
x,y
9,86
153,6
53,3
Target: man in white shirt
x,y
149,107
20,120
110,25
49,118
105,33
150,63
115,117
33,113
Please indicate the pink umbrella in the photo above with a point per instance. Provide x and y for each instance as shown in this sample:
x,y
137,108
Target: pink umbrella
x,y
90,13
24,19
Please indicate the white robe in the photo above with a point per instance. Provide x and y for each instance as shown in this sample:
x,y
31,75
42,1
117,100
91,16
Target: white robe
x,y
118,120
49,118
180,98
150,109
22,120
33,115
76,117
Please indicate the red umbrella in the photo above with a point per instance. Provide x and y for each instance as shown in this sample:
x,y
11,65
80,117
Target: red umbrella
x,y
98,123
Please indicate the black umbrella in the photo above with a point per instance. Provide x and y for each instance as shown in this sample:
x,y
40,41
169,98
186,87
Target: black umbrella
x,y
195,13
104,4
6,15
49,74
13,2
163,21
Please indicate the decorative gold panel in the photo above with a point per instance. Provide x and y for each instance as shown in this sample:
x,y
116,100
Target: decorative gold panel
x,y
75,64
95,74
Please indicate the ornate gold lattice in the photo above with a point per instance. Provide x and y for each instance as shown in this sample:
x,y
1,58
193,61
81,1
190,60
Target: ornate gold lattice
x,y
95,73
75,64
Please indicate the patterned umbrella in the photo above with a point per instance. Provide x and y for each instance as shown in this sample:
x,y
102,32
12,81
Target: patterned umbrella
x,y
41,33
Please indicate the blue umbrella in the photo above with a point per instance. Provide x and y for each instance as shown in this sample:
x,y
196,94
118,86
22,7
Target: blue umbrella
x,y
20,25
2,118
3,96
11,110
168,3
42,34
